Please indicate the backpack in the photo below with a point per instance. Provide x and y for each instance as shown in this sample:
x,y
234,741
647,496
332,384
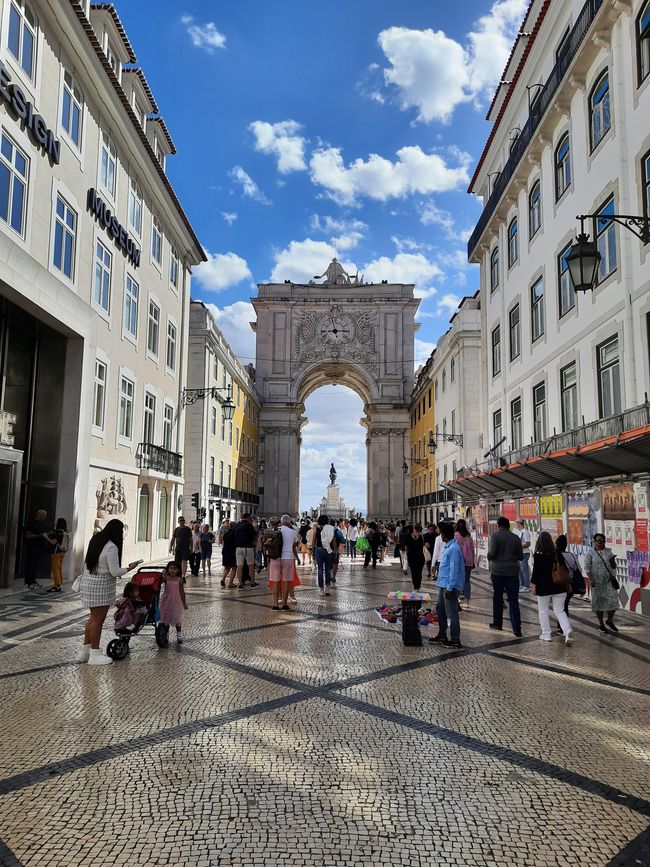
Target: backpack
x,y
272,544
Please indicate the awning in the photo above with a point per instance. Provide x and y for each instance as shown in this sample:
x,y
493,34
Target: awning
x,y
624,454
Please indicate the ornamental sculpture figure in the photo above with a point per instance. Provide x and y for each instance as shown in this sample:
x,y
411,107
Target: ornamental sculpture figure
x,y
332,474
337,275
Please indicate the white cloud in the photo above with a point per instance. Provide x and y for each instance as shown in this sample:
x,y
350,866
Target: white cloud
x,y
432,215
302,260
434,73
414,171
205,36
344,234
448,304
405,268
221,271
422,351
283,141
234,321
229,216
248,186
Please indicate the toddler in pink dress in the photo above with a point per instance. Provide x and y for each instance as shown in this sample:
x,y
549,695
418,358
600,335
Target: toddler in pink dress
x,y
173,600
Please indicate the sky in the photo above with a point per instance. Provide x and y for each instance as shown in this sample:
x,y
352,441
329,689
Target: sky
x,y
306,129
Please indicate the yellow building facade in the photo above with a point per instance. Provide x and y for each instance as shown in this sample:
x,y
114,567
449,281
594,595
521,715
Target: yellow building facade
x,y
421,463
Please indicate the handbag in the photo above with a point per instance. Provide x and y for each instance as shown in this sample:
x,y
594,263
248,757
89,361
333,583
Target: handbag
x,y
612,578
427,555
363,544
578,585
561,575
76,584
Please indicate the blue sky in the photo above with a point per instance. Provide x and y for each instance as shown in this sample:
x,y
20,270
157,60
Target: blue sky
x,y
307,127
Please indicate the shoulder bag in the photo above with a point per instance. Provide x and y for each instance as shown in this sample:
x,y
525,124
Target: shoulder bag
x,y
612,578
577,578
561,575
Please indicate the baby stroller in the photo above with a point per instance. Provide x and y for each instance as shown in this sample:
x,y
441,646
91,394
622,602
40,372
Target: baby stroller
x,y
149,580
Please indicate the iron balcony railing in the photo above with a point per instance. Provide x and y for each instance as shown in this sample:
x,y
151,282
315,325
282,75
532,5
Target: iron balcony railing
x,y
538,109
613,425
151,457
431,499
222,492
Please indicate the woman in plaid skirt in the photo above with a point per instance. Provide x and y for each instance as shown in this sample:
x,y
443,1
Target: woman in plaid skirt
x,y
97,586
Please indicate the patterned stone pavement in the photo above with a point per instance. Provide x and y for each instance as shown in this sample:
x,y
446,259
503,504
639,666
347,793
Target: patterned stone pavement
x,y
314,737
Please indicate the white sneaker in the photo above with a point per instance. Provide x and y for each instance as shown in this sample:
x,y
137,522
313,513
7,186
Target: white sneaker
x,y
568,638
98,658
524,590
544,637
84,653
322,592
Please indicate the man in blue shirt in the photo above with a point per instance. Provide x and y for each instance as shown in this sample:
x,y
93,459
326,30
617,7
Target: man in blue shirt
x,y
451,581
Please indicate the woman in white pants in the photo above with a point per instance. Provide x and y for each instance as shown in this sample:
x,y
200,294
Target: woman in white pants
x,y
546,589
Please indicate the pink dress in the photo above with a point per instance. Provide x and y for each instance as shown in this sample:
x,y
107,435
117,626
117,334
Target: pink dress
x,y
171,607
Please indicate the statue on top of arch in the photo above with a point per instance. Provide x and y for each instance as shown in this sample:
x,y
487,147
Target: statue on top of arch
x,y
336,275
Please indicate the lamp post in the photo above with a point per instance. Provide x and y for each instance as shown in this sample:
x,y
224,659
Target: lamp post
x,y
192,395
584,259
446,438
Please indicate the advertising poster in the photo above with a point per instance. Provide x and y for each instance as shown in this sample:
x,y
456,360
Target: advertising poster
x,y
637,561
481,533
581,510
641,534
619,515
509,510
550,513
528,513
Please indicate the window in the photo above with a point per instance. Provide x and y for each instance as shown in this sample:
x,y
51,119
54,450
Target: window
x,y
513,242
174,264
163,515
212,471
135,206
444,427
156,239
569,397
149,426
496,350
99,396
153,328
559,51
494,270
171,346
125,420
539,412
537,309
22,35
609,378
102,287
229,476
497,429
444,381
435,389
72,108
453,421
213,421
131,293
562,166
567,294
514,332
515,423
645,173
429,398
236,439
143,514
65,238
168,423
108,165
606,240
599,110
221,472
643,42
223,428
230,433
13,185
535,209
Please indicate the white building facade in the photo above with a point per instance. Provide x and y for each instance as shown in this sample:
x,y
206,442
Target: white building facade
x,y
564,372
94,283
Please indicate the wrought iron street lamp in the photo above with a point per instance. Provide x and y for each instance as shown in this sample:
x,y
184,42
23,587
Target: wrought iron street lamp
x,y
192,395
584,258
446,438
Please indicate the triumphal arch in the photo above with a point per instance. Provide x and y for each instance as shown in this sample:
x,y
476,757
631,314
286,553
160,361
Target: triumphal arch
x,y
336,329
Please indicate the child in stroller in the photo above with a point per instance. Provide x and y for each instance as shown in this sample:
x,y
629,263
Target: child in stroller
x,y
136,608
129,610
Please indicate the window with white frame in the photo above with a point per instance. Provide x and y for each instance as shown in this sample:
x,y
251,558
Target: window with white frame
x,y
22,35
229,476
72,103
149,421
643,42
497,430
515,423
135,206
108,165
102,284
452,375
567,295
153,328
569,396
156,239
230,433
14,167
494,269
168,423
535,209
444,427
606,240
539,412
599,110
514,329
609,378
125,416
537,309
213,421
237,439
99,395
562,166
171,346
212,471
444,381
435,389
221,473
496,350
453,424
131,301
223,428
65,238
513,242
645,180
174,266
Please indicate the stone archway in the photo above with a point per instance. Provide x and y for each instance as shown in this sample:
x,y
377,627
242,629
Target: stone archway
x,y
340,331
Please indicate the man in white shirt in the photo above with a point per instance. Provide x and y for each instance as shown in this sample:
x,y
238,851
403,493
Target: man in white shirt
x,y
524,571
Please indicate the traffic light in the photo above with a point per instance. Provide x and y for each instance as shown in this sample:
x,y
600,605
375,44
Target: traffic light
x,y
195,500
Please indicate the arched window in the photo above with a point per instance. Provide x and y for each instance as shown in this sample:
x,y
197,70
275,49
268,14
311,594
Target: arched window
x,y
143,513
513,242
535,209
643,41
494,270
163,515
562,166
599,110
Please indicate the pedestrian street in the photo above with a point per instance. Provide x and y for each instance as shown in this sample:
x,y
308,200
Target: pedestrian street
x,y
315,737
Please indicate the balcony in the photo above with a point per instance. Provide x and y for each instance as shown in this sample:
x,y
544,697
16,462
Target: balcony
x,y
432,499
221,492
151,457
538,109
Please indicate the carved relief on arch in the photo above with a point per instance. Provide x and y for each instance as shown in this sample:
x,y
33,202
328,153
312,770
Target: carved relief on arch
x,y
338,333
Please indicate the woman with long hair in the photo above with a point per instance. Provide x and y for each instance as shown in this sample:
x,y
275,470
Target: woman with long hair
x,y
462,536
59,539
97,586
573,565
414,545
548,565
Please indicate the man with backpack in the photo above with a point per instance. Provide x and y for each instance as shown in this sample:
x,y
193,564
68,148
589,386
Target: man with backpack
x,y
245,539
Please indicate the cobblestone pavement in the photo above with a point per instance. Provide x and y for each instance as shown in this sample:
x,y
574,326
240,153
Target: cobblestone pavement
x,y
314,737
